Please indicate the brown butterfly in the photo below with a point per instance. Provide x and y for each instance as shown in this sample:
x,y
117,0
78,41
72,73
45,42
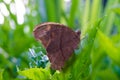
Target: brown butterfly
x,y
59,41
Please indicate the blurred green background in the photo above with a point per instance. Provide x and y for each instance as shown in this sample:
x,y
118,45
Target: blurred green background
x,y
98,57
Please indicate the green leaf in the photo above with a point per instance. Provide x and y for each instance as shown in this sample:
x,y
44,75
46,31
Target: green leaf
x,y
95,10
36,74
107,75
86,15
109,47
73,9
1,74
82,63
116,40
116,8
109,20
53,10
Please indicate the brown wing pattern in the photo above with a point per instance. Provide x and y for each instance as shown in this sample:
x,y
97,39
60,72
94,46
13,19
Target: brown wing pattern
x,y
54,48
70,41
59,41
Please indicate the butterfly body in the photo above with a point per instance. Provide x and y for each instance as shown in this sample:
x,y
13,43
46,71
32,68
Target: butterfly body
x,y
59,41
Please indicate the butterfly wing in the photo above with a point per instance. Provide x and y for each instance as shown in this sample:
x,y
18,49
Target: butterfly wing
x,y
41,33
70,41
63,42
59,41
54,48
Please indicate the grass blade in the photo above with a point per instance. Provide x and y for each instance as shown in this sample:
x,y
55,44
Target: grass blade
x,y
109,47
73,9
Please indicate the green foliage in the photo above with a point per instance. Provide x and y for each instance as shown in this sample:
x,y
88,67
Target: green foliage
x,y
109,47
98,55
116,8
1,73
36,73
